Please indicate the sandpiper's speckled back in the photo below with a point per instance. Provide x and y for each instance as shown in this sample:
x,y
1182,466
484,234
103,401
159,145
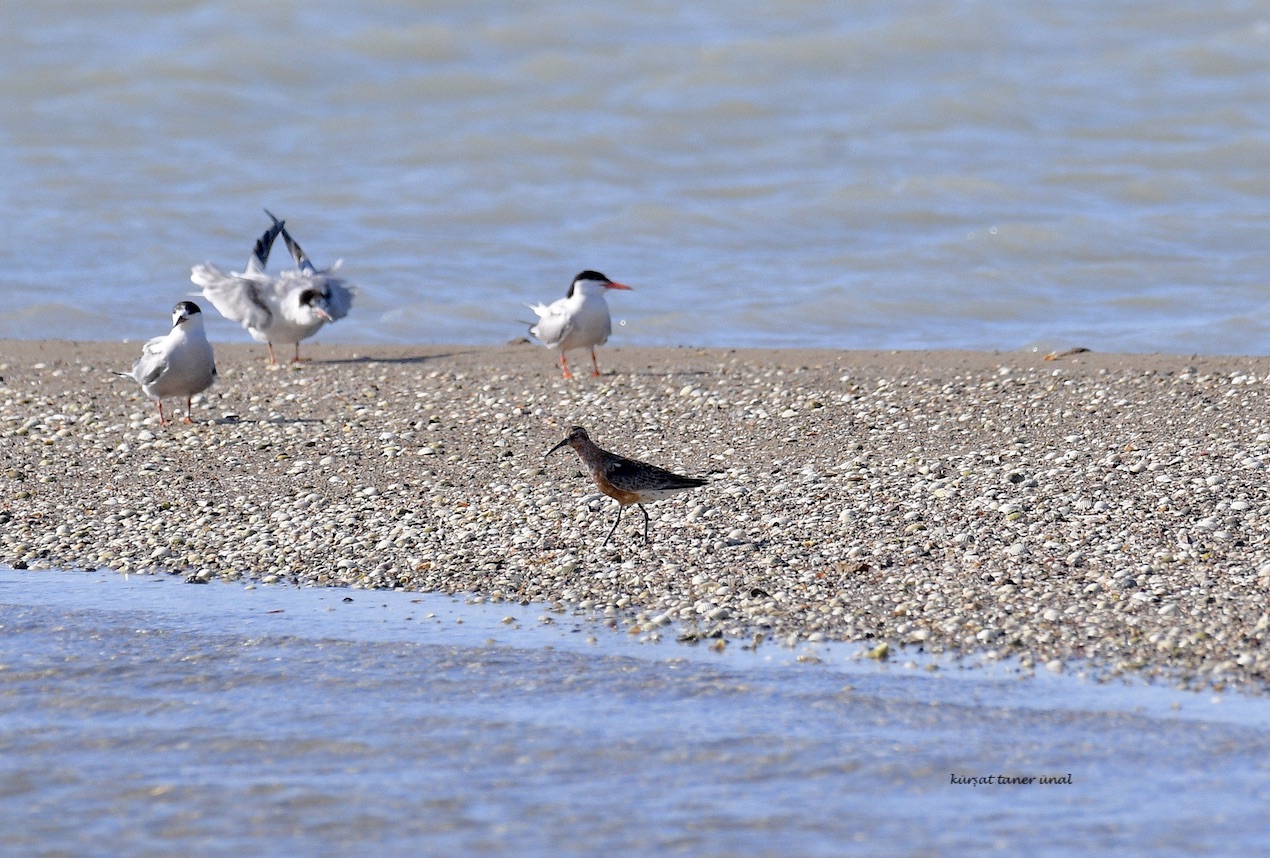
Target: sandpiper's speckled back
x,y
626,480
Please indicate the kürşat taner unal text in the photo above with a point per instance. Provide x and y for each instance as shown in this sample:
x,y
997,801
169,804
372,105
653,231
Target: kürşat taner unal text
x,y
1009,780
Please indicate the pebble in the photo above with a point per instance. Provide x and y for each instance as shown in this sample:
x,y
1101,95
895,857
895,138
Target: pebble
x,y
973,504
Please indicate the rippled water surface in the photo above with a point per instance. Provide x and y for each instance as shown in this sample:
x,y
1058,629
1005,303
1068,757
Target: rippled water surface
x,y
868,174
142,715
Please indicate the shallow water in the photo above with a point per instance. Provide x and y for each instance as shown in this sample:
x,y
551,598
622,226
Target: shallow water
x,y
873,174
141,715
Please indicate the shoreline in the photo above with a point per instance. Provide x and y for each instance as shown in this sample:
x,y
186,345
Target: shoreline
x,y
1106,510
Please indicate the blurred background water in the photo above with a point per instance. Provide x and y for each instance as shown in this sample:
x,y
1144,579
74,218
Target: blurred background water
x,y
907,174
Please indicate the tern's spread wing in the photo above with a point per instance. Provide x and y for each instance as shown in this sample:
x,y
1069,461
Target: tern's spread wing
x,y
301,260
249,301
339,292
260,253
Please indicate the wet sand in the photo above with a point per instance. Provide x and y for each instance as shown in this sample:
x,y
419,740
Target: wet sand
x,y
1104,512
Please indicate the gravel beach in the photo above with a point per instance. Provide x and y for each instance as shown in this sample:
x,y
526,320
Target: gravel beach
x,y
1095,512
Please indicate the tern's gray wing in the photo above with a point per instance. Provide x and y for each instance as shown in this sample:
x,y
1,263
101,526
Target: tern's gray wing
x,y
260,253
152,363
554,323
239,298
297,253
339,293
341,297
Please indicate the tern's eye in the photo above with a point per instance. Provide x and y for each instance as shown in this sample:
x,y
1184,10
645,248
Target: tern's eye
x,y
308,296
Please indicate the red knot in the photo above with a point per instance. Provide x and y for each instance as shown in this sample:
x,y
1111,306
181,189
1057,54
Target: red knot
x,y
625,480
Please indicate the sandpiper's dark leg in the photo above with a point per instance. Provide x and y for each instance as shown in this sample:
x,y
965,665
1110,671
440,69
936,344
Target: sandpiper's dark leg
x,y
615,523
645,512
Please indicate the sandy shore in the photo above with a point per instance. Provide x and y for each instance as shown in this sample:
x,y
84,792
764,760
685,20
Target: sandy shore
x,y
1098,510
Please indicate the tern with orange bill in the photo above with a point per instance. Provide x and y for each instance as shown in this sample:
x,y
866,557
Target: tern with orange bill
x,y
579,320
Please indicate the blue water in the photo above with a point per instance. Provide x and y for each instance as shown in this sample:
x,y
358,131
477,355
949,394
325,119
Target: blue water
x,y
143,715
874,174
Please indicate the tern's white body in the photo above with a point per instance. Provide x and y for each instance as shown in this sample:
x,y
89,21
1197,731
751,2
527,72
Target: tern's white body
x,y
180,363
284,309
580,320
268,307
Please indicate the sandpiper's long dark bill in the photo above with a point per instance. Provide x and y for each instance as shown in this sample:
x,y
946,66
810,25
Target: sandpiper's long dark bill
x,y
627,481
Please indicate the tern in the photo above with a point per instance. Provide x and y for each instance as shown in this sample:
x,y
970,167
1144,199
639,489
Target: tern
x,y
579,320
627,481
180,363
286,309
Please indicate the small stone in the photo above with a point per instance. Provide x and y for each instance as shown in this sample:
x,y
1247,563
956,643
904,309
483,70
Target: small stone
x,y
881,652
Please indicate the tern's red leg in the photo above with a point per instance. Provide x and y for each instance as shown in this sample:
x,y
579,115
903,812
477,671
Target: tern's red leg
x,y
594,364
189,407
565,365
272,360
163,421
297,358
